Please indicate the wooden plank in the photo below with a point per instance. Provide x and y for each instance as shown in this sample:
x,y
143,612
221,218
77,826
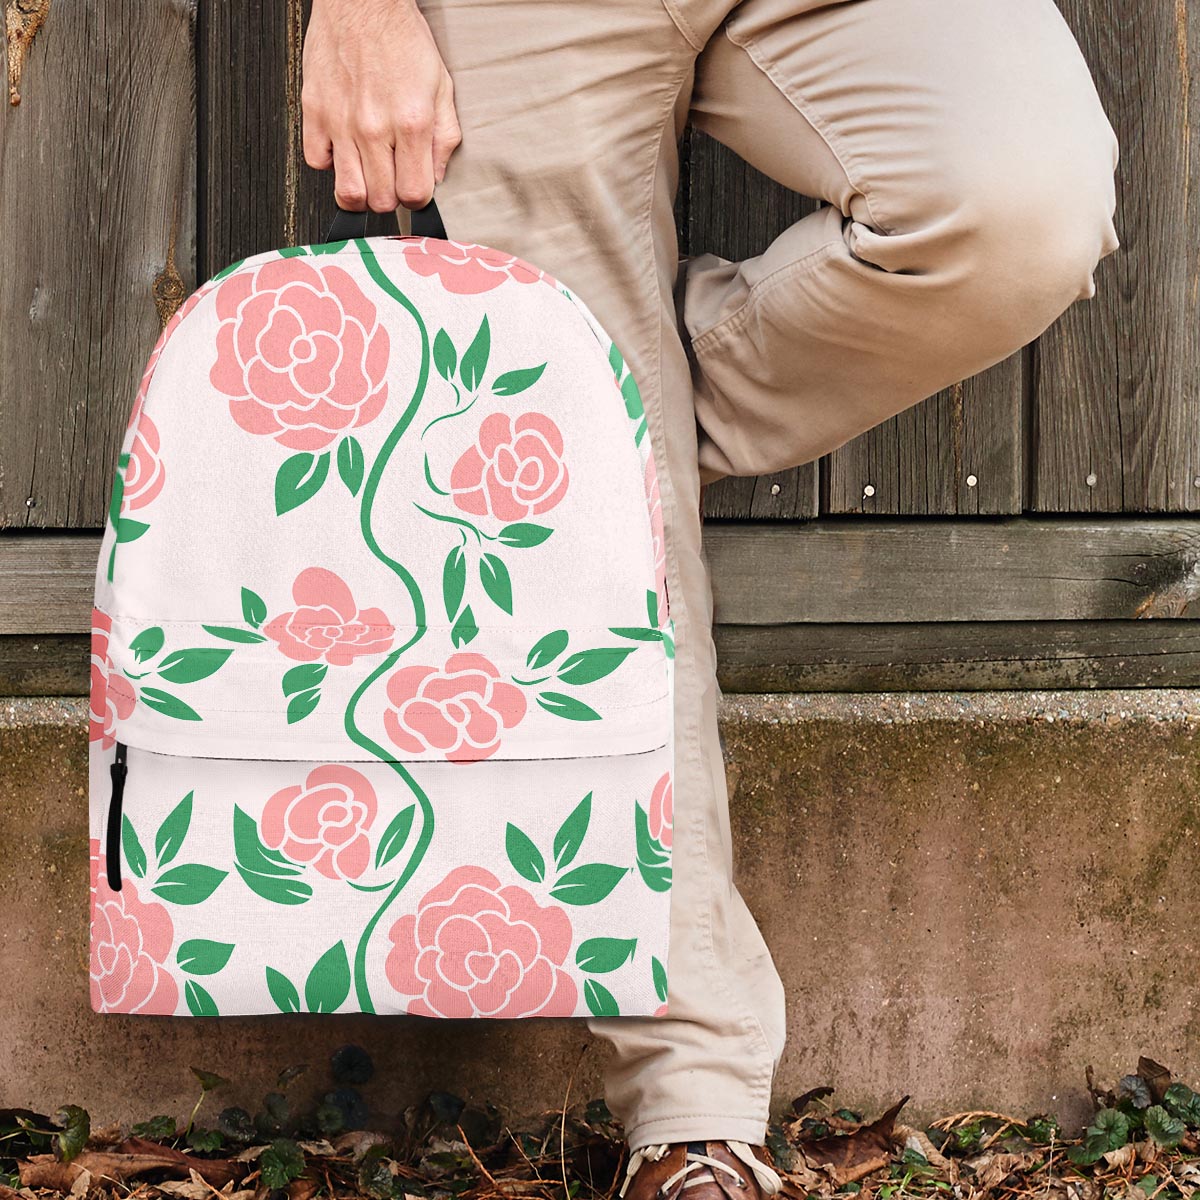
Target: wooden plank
x,y
37,665
735,211
843,572
957,656
256,191
1118,382
97,203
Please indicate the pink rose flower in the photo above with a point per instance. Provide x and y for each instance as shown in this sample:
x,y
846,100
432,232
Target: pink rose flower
x,y
514,471
300,352
130,942
658,537
661,811
465,268
324,821
474,948
661,1010
112,695
144,475
459,711
327,624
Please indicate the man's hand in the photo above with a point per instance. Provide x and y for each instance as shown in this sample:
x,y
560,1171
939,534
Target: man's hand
x,y
378,103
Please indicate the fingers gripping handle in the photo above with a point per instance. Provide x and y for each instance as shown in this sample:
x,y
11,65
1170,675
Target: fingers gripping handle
x,y
426,222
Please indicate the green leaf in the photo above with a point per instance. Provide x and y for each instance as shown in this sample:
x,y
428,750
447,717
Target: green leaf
x,y
280,1163
475,360
328,983
395,835
292,252
445,357
350,463
659,974
209,1081
147,643
525,857
172,831
633,398
202,957
464,629
567,707
589,665
636,633
191,883
571,833
1165,1129
523,535
512,382
329,247
205,1141
159,1129
653,862
615,361
232,634
283,991
226,271
168,705
494,576
588,884
303,704
75,1126
199,1002
135,856
265,871
303,677
454,581
600,1001
299,479
547,649
600,955
1182,1102
188,666
652,607
254,608
129,530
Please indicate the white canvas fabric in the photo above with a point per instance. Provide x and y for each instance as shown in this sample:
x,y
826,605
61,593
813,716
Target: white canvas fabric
x,y
382,653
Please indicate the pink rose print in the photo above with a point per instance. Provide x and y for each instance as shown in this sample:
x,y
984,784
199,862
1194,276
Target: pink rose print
x,y
514,471
459,711
130,942
657,536
474,948
144,474
327,624
300,353
112,695
661,1010
465,268
324,821
660,814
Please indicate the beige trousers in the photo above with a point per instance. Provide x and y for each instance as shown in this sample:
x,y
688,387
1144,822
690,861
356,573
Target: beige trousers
x,y
967,167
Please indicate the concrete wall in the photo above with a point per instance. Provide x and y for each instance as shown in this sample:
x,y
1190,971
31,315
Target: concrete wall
x,y
970,896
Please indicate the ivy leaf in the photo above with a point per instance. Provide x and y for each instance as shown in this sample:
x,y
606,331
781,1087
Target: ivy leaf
x,y
475,360
1165,1129
199,1002
454,581
571,833
135,856
588,884
546,650
170,706
170,835
497,582
567,707
189,666
303,677
395,835
512,382
283,991
191,883
525,857
75,1127
445,357
601,955
523,535
589,665
254,608
328,983
600,1001
350,463
198,956
464,629
299,479
280,1163
147,643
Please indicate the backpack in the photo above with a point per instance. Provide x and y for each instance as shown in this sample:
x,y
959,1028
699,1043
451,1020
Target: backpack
x,y
381,676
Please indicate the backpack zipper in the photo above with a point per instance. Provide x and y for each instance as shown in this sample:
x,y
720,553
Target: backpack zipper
x,y
112,839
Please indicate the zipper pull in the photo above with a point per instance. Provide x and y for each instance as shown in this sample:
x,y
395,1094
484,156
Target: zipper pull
x,y
112,841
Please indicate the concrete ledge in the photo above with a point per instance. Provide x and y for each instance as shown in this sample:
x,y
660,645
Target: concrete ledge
x,y
970,897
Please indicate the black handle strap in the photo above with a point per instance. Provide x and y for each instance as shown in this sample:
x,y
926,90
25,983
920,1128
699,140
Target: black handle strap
x,y
426,222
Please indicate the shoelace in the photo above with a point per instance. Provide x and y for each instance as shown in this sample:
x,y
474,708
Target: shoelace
x,y
767,1178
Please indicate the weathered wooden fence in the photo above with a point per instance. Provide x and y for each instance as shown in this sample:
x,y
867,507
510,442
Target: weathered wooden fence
x,y
1014,530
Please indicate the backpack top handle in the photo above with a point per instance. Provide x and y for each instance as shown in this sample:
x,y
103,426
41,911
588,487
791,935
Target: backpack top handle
x,y
426,222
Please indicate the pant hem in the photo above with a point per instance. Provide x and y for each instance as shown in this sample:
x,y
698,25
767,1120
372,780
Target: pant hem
x,y
698,1127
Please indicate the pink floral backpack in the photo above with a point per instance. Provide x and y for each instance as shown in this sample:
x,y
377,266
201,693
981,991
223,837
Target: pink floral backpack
x,y
381,692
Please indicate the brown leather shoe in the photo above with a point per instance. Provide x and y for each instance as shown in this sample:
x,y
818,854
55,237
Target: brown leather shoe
x,y
700,1171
